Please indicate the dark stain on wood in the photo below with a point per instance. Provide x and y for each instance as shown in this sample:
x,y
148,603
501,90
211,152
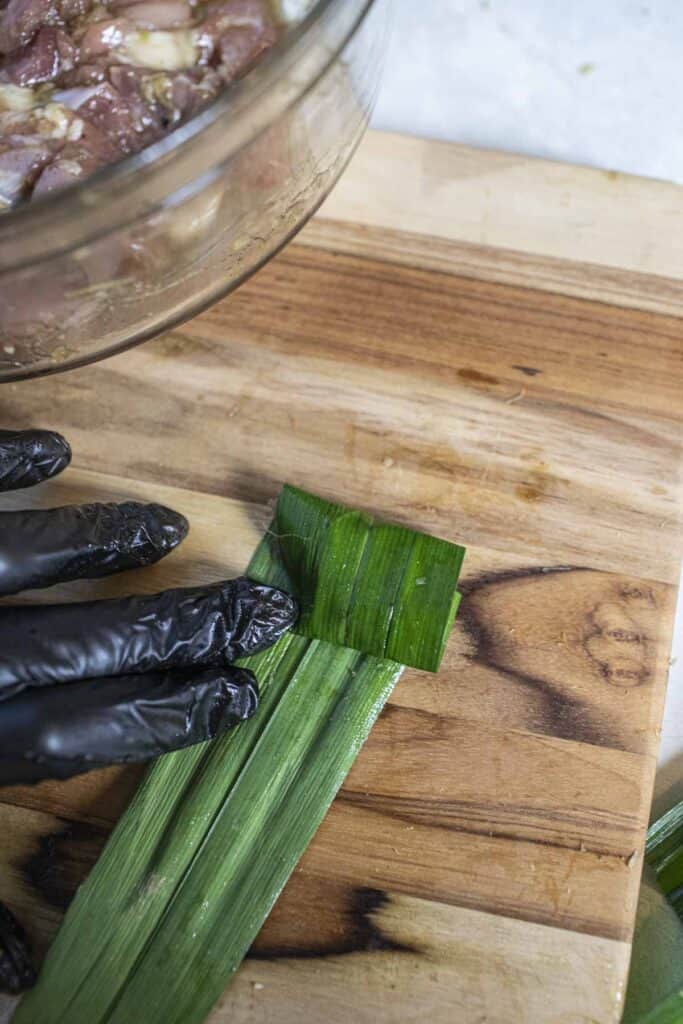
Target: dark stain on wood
x,y
535,485
361,935
529,371
476,377
62,860
563,715
528,492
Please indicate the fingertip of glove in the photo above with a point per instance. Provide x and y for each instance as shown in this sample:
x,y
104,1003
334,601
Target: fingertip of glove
x,y
246,692
284,608
56,443
235,699
58,450
33,456
47,450
172,526
270,613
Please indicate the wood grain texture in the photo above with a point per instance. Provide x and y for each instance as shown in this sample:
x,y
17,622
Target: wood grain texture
x,y
484,853
438,963
565,229
561,276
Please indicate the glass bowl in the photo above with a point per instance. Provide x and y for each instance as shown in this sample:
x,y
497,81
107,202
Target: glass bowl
x,y
154,239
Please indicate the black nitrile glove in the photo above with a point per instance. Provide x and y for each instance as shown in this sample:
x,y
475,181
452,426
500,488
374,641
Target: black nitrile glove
x,y
16,968
103,682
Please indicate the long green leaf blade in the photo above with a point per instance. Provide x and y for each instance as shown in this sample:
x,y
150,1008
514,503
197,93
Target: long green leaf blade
x,y
664,853
199,857
230,891
668,1012
150,850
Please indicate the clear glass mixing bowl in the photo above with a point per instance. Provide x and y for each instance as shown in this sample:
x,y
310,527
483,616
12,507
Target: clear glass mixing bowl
x,y
154,239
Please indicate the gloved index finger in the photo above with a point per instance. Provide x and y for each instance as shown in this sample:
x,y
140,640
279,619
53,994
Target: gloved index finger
x,y
39,547
28,457
214,625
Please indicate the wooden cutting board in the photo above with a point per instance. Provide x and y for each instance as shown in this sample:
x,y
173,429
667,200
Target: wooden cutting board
x,y
488,348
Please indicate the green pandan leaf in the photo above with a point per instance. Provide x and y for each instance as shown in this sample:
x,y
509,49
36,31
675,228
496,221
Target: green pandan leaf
x,y
379,588
195,864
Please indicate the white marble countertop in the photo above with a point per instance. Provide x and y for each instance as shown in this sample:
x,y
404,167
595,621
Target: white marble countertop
x,y
584,82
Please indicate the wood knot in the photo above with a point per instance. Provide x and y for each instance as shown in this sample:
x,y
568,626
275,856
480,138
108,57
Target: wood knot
x,y
617,646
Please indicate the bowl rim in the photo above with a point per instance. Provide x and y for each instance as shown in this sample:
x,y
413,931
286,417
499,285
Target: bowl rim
x,y
82,212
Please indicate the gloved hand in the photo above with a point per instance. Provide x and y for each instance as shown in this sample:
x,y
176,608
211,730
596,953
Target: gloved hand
x,y
89,684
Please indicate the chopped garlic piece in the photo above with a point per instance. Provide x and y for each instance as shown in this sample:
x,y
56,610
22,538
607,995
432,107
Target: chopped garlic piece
x,y
71,167
57,115
157,89
13,97
163,51
75,130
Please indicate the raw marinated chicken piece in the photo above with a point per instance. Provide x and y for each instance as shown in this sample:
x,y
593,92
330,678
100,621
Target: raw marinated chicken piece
x,y
235,33
49,53
21,19
29,142
20,165
85,152
85,82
